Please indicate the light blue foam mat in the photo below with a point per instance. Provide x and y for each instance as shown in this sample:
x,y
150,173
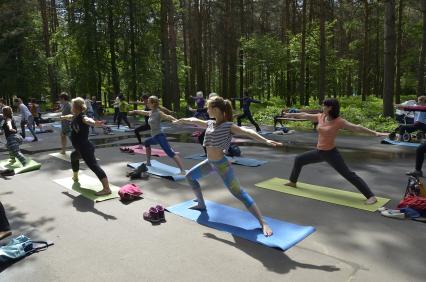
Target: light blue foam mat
x,y
162,170
400,143
243,224
235,160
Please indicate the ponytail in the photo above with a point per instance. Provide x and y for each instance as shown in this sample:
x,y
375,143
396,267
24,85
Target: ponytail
x,y
228,111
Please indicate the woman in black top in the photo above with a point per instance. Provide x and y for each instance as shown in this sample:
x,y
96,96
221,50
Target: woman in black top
x,y
84,149
12,138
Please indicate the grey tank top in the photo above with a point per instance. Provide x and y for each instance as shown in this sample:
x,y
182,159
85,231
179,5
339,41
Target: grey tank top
x,y
154,122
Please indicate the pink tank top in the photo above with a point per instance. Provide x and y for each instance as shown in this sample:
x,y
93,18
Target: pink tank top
x,y
327,132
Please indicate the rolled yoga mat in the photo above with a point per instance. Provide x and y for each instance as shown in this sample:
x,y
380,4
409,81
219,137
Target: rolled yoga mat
x,y
162,170
18,168
243,224
235,160
87,186
325,194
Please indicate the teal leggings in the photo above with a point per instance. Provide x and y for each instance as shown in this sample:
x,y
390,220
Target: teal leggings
x,y
224,169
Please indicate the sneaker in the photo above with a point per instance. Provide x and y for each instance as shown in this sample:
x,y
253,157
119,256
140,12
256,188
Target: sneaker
x,y
8,172
152,215
393,214
415,173
161,215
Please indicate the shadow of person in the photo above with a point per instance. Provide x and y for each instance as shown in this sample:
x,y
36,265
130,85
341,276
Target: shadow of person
x,y
273,259
82,204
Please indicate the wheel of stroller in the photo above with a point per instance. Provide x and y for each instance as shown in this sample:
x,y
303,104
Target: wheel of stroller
x,y
406,137
420,136
392,136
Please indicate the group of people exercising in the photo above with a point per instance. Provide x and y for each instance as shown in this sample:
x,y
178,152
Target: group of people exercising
x,y
218,131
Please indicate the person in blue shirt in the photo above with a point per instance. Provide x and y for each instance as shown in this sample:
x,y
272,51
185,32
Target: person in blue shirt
x,y
419,118
201,111
245,103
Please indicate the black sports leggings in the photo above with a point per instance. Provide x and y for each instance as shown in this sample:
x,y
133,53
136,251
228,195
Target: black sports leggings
x,y
249,116
420,156
140,129
87,153
333,158
122,116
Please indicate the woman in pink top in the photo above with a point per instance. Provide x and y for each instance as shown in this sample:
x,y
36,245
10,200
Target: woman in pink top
x,y
329,124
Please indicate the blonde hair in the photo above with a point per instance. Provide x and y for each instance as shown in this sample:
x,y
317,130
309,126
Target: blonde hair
x,y
7,112
154,101
79,103
223,105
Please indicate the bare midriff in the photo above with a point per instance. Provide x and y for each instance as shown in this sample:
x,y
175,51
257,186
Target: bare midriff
x,y
215,154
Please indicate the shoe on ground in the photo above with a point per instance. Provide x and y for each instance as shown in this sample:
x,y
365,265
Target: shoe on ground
x,y
8,172
152,215
415,173
393,214
161,214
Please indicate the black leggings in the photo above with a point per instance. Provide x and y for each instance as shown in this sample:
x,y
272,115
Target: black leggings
x,y
4,223
201,140
250,118
411,127
123,116
87,153
140,129
333,158
420,156
116,112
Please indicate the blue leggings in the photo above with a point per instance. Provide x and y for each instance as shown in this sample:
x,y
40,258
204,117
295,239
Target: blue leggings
x,y
160,139
226,172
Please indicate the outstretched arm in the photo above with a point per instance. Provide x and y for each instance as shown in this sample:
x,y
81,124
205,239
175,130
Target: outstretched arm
x,y
92,122
359,128
167,117
164,109
67,117
311,117
139,113
253,135
192,120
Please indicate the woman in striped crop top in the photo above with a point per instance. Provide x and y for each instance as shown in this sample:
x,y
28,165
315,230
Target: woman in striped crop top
x,y
217,140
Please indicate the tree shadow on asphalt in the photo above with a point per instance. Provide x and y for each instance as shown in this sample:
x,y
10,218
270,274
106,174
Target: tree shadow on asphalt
x,y
274,260
82,204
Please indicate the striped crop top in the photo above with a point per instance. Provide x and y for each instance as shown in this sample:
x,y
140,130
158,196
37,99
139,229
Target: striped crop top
x,y
218,136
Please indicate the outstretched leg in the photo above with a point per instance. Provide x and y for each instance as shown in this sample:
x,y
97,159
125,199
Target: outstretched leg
x,y
226,172
309,157
88,155
251,119
194,174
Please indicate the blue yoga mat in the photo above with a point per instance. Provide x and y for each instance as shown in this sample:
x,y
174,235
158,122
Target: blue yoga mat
x,y
162,170
236,160
243,224
401,143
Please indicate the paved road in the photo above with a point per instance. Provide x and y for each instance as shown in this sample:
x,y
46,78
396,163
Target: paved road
x,y
109,241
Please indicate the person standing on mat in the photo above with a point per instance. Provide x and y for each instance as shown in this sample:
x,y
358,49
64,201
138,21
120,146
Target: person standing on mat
x,y
217,140
35,112
83,148
157,135
116,108
329,124
65,124
26,119
4,224
122,115
245,105
13,139
200,102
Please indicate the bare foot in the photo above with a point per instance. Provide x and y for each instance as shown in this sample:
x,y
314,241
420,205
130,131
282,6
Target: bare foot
x,y
371,201
198,207
103,192
148,163
62,152
182,172
75,178
291,184
12,161
267,231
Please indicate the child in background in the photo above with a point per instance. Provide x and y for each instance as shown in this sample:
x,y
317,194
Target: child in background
x,y
124,108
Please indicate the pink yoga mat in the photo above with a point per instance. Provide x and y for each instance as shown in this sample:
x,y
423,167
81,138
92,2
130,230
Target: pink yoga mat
x,y
154,152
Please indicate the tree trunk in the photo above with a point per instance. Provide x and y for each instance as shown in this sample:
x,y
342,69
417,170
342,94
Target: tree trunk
x,y
365,54
165,55
303,57
421,67
389,58
398,54
111,31
322,76
174,79
132,52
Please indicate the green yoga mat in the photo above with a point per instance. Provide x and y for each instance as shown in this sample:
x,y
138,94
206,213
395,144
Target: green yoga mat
x,y
18,168
325,194
87,186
